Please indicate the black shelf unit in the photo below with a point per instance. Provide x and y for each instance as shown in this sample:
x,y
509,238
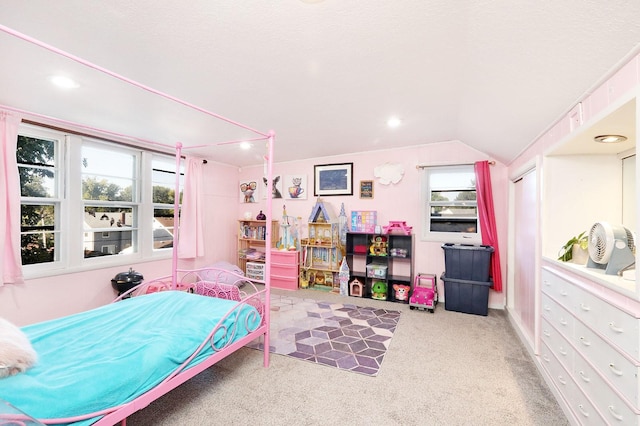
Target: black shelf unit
x,y
364,256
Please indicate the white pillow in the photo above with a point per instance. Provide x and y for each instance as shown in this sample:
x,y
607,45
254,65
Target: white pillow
x,y
16,353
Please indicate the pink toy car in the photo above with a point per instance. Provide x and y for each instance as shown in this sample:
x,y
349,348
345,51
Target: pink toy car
x,y
425,293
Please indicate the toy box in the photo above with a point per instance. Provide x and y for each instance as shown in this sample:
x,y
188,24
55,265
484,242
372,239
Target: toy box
x,y
376,271
363,221
469,297
467,261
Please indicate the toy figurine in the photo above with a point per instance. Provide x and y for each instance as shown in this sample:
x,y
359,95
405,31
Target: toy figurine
x,y
379,290
378,246
343,277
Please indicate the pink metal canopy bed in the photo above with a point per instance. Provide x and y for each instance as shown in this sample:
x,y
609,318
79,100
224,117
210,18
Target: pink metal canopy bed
x,y
100,366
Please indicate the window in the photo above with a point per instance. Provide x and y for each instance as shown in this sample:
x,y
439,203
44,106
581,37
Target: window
x,y
39,203
163,178
450,208
110,198
87,203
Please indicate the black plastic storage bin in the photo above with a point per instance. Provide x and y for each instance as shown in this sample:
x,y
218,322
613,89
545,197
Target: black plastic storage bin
x,y
470,297
467,261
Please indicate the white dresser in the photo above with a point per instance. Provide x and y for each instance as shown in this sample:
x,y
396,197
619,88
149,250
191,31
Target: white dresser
x,y
590,348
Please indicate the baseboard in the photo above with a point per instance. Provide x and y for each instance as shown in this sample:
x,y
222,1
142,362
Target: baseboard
x,y
545,375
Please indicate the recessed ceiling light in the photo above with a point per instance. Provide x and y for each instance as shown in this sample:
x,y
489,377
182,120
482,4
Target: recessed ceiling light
x,y
64,82
245,145
394,122
610,138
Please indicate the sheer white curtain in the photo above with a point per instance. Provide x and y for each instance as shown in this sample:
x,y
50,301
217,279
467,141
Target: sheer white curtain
x,y
11,267
190,234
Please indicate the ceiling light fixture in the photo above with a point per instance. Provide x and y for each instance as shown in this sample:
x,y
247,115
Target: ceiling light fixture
x,y
64,82
394,122
245,145
610,138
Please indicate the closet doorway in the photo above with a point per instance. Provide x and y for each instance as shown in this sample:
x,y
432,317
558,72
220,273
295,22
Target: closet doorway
x,y
525,231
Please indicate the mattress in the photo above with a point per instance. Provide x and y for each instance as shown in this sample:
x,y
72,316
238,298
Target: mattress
x,y
108,356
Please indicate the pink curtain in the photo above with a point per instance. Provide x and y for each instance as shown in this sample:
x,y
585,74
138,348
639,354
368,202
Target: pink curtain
x,y
11,268
487,217
190,236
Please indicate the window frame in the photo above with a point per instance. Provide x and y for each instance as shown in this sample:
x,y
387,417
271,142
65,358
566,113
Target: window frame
x,y
70,206
57,200
133,204
165,206
426,204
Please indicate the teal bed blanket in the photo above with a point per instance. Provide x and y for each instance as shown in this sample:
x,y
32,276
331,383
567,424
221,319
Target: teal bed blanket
x,y
108,356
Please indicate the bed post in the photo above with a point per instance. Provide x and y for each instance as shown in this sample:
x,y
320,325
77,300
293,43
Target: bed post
x,y
176,220
269,214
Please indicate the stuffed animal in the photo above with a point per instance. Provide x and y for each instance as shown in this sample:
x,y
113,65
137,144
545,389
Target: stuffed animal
x,y
379,290
401,291
16,353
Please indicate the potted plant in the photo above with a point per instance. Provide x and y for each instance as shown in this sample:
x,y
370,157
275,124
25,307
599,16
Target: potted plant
x,y
576,246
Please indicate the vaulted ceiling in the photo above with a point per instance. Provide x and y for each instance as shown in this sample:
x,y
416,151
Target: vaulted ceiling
x,y
324,75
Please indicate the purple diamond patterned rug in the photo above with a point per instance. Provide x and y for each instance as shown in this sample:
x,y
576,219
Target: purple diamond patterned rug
x,y
340,335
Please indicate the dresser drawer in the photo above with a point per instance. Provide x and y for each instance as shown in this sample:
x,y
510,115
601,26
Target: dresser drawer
x,y
618,370
558,316
622,329
557,287
285,257
558,344
289,271
285,283
581,406
619,327
606,401
558,373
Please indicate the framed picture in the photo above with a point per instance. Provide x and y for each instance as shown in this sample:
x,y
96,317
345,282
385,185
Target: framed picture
x,y
249,191
295,187
276,187
333,179
366,189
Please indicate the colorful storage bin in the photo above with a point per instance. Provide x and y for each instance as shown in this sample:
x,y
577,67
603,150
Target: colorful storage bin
x,y
376,271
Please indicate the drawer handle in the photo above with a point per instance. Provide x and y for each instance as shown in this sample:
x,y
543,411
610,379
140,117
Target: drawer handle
x,y
584,307
563,321
545,358
563,293
585,341
584,377
581,408
562,351
546,333
614,327
614,414
615,370
562,380
546,282
547,308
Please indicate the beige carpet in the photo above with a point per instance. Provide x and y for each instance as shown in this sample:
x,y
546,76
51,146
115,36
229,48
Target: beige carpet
x,y
445,368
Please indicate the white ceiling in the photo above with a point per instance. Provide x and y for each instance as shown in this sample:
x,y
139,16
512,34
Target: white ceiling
x,y
325,77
